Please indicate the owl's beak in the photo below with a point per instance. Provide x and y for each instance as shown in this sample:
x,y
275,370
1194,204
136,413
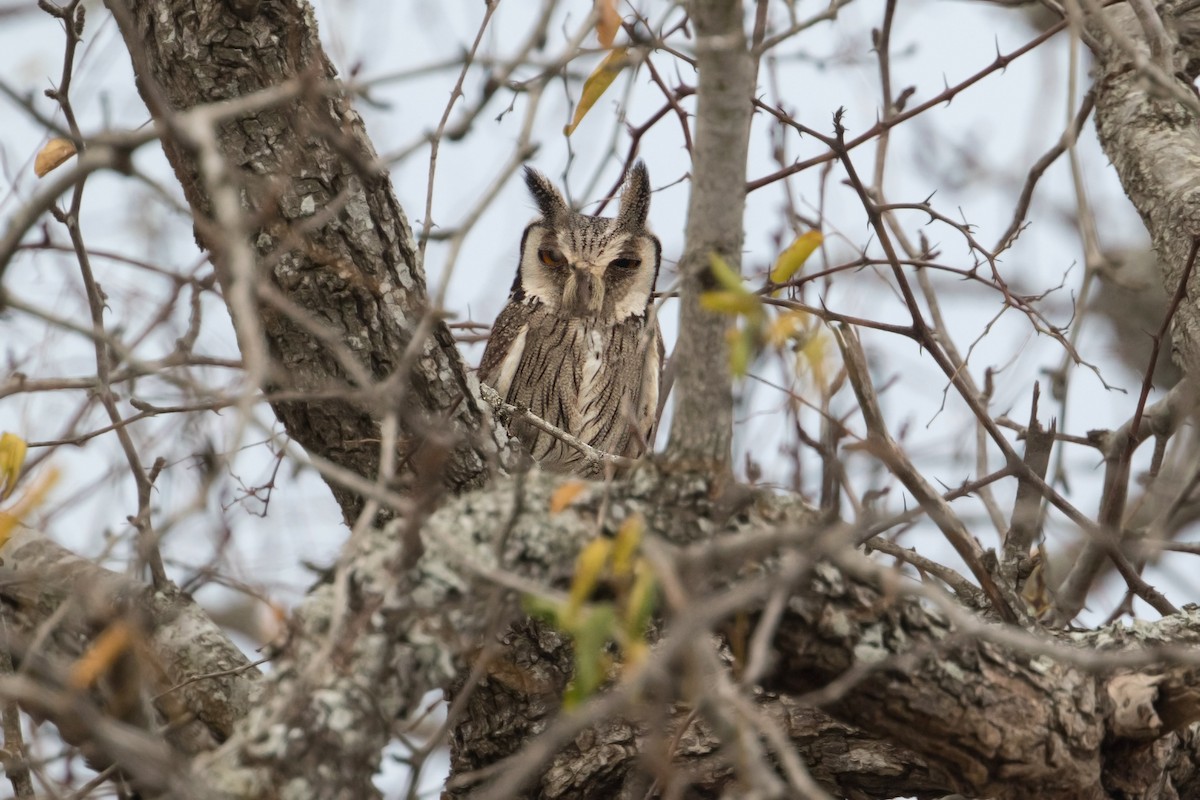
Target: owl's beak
x,y
584,292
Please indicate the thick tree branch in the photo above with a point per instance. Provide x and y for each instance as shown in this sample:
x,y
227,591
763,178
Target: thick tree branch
x,y
987,710
1001,713
326,231
54,603
979,708
1152,139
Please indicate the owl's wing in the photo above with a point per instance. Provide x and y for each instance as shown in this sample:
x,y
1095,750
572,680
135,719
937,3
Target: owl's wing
x,y
504,348
651,385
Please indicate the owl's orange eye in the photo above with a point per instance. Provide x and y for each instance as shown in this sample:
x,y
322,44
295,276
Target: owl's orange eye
x,y
625,263
552,257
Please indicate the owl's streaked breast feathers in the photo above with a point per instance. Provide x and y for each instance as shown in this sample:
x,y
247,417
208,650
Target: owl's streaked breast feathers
x,y
578,343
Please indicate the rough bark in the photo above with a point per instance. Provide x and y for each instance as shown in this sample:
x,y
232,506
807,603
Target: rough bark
x,y
932,699
935,699
328,235
617,759
1154,144
55,604
406,615
41,579
702,425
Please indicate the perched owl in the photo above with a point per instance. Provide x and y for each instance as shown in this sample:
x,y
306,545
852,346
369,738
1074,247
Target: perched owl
x,y
578,344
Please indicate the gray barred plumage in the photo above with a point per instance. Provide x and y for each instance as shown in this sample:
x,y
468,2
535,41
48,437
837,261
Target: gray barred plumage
x,y
578,344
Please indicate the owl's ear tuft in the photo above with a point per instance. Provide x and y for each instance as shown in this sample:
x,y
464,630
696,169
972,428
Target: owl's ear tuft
x,y
635,199
549,201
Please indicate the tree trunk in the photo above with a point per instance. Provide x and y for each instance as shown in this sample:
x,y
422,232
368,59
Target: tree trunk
x,y
328,238
702,424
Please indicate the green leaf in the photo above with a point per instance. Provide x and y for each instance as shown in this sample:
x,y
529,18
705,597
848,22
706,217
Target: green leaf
x,y
591,635
543,608
741,351
726,275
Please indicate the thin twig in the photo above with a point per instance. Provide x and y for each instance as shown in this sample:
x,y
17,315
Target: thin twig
x,y
885,448
509,413
1071,596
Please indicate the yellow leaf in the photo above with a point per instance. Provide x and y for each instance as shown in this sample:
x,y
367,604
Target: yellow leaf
x,y
589,566
626,543
813,352
110,645
52,155
608,22
789,326
31,500
733,303
12,456
793,258
814,349
634,655
726,275
640,604
565,495
596,84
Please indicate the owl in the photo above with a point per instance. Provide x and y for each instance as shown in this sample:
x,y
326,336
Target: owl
x,y
578,343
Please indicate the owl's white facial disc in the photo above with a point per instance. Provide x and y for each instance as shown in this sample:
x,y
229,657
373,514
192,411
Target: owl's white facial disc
x,y
589,269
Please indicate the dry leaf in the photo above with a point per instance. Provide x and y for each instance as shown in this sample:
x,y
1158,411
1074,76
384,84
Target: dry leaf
x,y
29,500
608,22
565,495
110,645
741,349
787,327
626,543
52,155
814,354
596,84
